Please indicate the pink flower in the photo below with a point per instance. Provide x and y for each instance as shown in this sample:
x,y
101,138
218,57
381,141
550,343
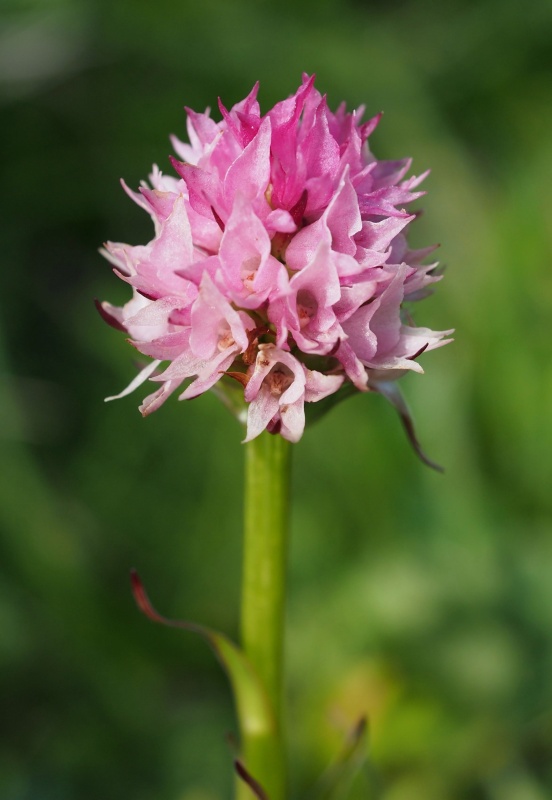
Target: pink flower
x,y
279,261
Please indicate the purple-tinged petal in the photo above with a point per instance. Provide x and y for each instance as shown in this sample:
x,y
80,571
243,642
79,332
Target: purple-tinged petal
x,y
379,235
388,173
110,314
375,328
353,297
367,128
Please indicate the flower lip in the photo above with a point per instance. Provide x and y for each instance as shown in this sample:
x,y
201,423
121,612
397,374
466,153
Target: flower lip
x,y
306,306
279,379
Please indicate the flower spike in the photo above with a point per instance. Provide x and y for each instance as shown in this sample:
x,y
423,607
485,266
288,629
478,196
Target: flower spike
x,y
281,242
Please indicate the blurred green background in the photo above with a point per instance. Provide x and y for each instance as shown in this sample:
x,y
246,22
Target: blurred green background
x,y
421,600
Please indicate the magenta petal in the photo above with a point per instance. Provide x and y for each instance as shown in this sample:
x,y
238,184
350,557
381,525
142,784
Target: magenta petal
x,y
250,172
201,128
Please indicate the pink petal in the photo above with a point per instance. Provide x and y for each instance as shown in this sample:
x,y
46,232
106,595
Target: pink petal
x,y
293,420
260,412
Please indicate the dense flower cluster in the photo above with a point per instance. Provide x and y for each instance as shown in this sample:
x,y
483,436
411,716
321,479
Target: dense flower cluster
x,y
279,259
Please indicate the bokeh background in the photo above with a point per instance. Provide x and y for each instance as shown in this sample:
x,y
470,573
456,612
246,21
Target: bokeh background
x,y
421,600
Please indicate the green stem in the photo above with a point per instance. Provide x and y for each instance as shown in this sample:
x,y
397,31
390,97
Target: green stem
x,y
267,474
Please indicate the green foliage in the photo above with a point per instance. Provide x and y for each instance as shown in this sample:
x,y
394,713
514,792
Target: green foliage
x,y
421,601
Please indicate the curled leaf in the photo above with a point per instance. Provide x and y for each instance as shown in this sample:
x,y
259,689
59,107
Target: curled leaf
x,y
252,704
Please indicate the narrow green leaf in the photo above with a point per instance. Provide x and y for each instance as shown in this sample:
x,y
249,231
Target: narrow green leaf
x,y
250,781
393,394
337,781
255,715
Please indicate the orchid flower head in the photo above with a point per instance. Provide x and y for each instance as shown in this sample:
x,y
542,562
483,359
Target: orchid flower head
x,y
279,266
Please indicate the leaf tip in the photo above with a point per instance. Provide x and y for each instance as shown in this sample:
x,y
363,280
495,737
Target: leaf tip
x,y
249,780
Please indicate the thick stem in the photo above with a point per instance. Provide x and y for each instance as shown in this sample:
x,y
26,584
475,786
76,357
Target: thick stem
x,y
267,474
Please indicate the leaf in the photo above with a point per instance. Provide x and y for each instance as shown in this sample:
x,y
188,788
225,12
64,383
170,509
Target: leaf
x,y
337,781
250,781
252,704
391,392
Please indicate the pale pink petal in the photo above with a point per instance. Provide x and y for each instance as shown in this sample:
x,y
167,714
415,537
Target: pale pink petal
x,y
153,401
292,417
260,412
209,374
318,386
142,376
213,319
